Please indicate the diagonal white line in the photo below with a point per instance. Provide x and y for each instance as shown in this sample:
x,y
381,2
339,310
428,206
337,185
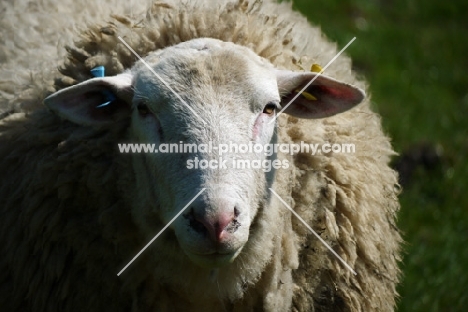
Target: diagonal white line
x,y
159,77
313,79
160,232
313,232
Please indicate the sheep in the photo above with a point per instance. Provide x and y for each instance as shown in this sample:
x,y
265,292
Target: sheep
x,y
75,210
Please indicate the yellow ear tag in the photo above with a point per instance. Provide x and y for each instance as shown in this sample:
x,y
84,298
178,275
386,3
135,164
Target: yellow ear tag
x,y
307,95
315,68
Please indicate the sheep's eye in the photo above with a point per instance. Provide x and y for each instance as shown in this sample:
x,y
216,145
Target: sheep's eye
x,y
143,109
269,109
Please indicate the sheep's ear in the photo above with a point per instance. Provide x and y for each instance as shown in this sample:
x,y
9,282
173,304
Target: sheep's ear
x,y
94,102
324,97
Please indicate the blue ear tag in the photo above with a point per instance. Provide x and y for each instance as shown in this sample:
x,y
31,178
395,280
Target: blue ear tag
x,y
100,72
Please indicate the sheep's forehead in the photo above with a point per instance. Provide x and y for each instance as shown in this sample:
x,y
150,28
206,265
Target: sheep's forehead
x,y
208,65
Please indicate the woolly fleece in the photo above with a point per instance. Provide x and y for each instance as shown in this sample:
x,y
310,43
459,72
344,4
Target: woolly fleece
x,y
65,191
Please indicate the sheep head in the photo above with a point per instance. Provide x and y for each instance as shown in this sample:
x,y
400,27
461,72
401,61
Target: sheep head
x,y
202,92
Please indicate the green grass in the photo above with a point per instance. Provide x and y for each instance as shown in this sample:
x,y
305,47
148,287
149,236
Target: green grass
x,y
415,56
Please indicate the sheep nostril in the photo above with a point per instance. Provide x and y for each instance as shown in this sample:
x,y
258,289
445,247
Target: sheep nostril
x,y
194,223
217,227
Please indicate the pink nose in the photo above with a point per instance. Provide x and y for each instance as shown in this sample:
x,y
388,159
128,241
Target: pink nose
x,y
217,225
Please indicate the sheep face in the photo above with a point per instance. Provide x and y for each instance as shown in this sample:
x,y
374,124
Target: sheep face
x,y
222,94
202,93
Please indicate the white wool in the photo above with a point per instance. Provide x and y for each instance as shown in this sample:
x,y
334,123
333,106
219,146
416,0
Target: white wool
x,y
76,211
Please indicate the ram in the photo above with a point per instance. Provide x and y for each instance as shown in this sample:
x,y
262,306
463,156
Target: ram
x,y
76,208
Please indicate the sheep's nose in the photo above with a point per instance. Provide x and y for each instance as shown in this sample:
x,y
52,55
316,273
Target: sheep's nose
x,y
218,225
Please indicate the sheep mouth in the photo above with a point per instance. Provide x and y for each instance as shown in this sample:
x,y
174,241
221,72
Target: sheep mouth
x,y
213,259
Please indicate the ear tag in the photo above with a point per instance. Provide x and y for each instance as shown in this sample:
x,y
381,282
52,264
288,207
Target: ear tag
x,y
315,68
307,95
100,72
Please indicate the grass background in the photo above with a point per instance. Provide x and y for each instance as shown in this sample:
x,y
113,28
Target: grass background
x,y
414,53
